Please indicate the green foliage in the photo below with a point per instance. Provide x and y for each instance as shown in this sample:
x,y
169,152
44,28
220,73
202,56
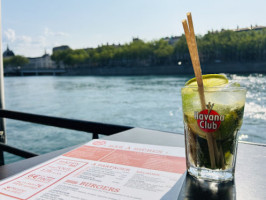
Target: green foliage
x,y
162,49
233,46
16,61
224,45
70,57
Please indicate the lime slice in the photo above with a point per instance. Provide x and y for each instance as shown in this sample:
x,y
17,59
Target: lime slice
x,y
210,80
189,95
193,125
228,158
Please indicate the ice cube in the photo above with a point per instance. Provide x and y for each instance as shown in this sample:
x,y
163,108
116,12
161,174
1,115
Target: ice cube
x,y
232,84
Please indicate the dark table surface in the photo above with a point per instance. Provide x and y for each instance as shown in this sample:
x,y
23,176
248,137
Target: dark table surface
x,y
249,182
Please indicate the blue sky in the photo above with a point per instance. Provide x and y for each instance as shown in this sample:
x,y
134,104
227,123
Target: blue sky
x,y
30,27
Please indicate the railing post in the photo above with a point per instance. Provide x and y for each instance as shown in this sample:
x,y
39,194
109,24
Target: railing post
x,y
95,136
2,97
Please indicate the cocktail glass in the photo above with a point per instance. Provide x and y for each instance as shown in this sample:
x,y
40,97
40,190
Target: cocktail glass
x,y
215,158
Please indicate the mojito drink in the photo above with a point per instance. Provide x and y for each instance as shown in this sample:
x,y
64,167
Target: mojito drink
x,y
221,119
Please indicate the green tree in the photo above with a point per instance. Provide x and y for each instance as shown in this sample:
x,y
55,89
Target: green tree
x,y
60,56
162,51
16,61
75,57
222,45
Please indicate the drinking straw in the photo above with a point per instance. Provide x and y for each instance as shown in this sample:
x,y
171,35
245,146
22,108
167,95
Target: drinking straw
x,y
194,55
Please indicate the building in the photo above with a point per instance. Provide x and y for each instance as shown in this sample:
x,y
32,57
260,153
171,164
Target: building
x,y
255,28
44,61
61,48
135,39
172,40
8,53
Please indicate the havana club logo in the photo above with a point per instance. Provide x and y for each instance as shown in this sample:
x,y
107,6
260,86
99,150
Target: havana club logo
x,y
208,120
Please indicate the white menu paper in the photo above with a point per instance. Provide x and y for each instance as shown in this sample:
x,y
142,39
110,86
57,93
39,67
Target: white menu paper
x,y
100,170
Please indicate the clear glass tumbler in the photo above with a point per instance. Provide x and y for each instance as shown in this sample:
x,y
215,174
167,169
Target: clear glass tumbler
x,y
211,133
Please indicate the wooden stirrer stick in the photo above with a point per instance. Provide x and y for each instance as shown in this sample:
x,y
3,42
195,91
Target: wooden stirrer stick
x,y
196,66
193,51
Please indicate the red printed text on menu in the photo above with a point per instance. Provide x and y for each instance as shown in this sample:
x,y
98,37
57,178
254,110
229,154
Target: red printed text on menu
x,y
100,169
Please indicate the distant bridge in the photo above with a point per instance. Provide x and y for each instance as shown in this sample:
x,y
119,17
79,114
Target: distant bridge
x,y
33,72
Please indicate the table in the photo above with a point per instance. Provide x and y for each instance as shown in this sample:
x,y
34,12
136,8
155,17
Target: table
x,y
249,180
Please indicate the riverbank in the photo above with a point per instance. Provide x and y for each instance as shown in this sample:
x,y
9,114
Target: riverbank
x,y
83,70
232,68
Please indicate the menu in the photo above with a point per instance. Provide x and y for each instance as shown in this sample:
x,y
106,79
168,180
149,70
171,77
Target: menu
x,y
101,170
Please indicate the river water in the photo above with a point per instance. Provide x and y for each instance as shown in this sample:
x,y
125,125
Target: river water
x,y
152,102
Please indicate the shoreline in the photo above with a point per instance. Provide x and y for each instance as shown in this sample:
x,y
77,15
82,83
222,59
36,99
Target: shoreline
x,y
210,68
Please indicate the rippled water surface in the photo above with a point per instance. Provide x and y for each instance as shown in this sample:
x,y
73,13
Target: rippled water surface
x,y
141,101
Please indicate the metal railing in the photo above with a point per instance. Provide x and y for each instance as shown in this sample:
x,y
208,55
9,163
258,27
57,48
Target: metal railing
x,y
95,128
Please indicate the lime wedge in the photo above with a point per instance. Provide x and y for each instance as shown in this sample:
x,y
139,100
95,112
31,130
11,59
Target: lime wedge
x,y
210,80
189,95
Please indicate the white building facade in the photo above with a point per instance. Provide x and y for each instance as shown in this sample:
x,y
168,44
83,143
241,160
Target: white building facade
x,y
44,61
